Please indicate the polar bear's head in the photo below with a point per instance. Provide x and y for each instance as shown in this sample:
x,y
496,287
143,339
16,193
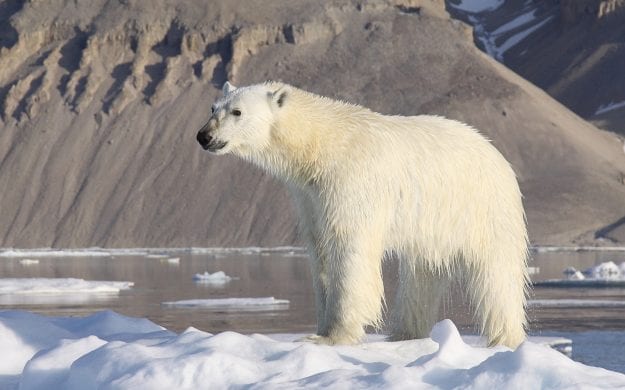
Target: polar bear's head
x,y
242,119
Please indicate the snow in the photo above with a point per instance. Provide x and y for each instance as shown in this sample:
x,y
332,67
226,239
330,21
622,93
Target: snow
x,y
525,24
518,37
476,6
249,304
609,107
497,42
216,278
108,350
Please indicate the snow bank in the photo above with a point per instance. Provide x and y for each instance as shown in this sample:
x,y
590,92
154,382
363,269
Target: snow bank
x,y
107,350
266,303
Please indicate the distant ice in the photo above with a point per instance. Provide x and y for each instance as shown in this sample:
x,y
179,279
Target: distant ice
x,y
46,252
607,271
107,350
29,261
553,248
173,260
576,303
148,252
476,6
609,107
606,274
216,278
242,304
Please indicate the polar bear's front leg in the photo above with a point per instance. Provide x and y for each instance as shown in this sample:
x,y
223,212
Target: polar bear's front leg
x,y
354,290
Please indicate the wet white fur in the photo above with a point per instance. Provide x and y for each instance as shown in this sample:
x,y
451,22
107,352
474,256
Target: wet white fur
x,y
432,191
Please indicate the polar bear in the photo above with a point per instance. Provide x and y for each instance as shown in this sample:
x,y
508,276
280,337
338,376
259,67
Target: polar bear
x,y
431,191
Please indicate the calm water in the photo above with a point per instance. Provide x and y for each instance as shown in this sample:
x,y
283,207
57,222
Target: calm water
x,y
286,276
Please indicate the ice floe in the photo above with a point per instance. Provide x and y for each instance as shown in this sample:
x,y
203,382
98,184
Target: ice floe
x,y
609,107
216,278
606,274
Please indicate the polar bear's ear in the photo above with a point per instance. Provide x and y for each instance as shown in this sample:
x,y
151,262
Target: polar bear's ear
x,y
279,96
228,88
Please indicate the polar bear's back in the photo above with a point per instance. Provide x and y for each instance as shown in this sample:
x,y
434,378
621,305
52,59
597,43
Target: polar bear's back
x,y
452,188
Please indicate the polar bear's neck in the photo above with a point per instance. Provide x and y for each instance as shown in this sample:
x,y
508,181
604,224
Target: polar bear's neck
x,y
308,134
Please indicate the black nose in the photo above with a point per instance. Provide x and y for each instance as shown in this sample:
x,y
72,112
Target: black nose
x,y
204,138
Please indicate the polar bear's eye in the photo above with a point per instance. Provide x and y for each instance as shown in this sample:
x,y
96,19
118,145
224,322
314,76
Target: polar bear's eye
x,y
212,109
236,112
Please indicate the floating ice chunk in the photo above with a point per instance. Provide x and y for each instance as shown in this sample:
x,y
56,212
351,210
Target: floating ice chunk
x,y
173,260
59,286
607,270
218,277
573,274
237,304
29,261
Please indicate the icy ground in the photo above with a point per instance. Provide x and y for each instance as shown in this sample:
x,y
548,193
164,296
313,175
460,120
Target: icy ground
x,y
108,350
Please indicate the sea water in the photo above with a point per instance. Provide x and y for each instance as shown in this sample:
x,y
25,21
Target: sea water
x,y
255,275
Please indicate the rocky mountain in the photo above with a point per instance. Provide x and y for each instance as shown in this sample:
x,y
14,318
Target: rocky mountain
x,y
573,49
100,104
